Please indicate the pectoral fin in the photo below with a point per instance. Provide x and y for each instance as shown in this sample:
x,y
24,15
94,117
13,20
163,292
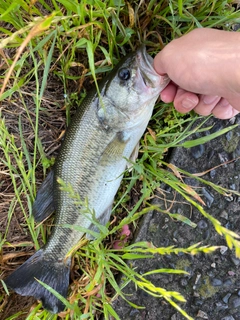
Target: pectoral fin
x,y
43,205
115,149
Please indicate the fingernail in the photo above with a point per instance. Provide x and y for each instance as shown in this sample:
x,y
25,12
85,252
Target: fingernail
x,y
188,103
209,99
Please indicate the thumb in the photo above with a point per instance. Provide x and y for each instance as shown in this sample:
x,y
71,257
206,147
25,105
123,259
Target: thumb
x,y
158,63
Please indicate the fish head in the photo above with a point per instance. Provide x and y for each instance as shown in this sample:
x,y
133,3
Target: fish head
x,y
132,89
147,80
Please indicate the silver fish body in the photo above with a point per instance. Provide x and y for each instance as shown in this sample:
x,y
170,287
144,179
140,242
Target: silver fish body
x,y
102,136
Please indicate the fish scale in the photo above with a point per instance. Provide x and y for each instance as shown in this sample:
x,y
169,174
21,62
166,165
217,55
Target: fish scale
x,y
102,135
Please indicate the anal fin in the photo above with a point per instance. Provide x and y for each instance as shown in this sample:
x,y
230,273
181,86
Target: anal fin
x,y
103,220
133,157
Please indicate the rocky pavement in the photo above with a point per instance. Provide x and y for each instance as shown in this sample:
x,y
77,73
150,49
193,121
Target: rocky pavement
x,y
212,287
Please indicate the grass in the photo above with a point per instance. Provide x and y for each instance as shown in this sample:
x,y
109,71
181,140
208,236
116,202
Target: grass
x,y
52,52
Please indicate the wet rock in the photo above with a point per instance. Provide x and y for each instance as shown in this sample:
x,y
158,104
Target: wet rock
x,y
228,225
202,314
226,298
134,313
211,273
228,318
229,135
224,215
229,198
197,151
216,282
210,154
183,282
206,234
223,249
235,260
234,302
198,302
213,173
223,159
202,224
227,283
232,186
220,307
217,126
209,197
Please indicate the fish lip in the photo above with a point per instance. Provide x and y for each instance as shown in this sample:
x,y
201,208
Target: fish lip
x,y
150,77
148,60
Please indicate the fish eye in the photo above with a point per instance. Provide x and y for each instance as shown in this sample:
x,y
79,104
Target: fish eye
x,y
124,74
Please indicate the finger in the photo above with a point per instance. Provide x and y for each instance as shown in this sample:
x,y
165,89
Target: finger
x,y
206,104
223,110
168,94
185,101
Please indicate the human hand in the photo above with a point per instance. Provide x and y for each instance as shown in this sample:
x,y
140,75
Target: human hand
x,y
204,68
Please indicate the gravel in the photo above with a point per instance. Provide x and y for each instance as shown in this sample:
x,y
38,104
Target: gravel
x,y
212,287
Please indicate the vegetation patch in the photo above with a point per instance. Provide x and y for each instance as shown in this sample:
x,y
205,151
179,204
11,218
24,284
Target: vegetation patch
x,y
206,289
51,54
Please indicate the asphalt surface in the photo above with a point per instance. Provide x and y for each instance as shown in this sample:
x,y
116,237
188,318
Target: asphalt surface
x,y
212,286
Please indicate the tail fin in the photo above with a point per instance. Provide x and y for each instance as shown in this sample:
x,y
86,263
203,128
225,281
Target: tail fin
x,y
42,267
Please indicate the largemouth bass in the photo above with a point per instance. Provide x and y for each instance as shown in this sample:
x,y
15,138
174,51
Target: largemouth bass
x,y
101,137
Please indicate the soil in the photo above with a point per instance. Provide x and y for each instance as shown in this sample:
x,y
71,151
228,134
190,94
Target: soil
x,y
212,286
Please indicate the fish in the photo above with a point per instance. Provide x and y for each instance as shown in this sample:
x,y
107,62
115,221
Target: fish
x,y
102,136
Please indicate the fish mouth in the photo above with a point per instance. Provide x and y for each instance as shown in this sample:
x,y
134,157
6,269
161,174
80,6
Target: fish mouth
x,y
150,77
148,60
